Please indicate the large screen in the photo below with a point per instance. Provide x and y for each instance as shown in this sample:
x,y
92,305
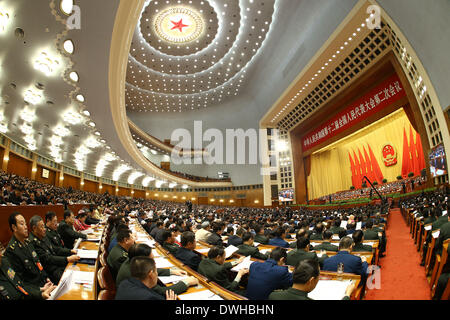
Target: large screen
x,y
438,161
286,195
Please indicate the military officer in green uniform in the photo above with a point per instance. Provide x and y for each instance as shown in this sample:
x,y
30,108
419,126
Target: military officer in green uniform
x,y
305,279
54,259
169,244
326,244
12,288
119,252
358,246
259,237
216,269
143,250
336,228
22,255
51,233
247,248
302,253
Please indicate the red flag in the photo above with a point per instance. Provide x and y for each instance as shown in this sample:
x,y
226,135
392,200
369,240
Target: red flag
x,y
357,171
352,168
420,152
369,168
412,148
405,161
363,166
376,168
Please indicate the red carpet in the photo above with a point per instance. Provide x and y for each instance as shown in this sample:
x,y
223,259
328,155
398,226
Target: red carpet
x,y
402,277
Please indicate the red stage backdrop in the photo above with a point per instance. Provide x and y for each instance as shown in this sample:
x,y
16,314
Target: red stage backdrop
x,y
377,99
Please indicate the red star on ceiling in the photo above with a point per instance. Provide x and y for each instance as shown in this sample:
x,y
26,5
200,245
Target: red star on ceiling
x,y
179,25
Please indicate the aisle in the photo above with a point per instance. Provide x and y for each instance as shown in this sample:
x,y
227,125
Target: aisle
x,y
402,277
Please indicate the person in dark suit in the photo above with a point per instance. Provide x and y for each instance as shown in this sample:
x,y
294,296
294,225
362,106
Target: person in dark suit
x,y
51,233
140,286
67,232
352,263
305,278
302,253
336,228
247,248
169,244
186,254
119,253
143,250
216,269
265,277
358,246
236,239
278,240
259,235
54,259
317,235
326,244
215,238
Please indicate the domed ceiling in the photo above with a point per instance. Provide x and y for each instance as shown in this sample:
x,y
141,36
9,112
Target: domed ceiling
x,y
188,55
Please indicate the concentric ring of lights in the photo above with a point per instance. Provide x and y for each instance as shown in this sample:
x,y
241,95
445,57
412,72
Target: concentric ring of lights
x,y
162,31
188,96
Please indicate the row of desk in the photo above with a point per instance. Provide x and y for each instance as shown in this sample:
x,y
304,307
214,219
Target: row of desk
x,y
434,263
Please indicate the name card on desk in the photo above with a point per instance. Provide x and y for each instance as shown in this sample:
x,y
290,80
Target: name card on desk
x,y
230,250
83,277
245,264
329,290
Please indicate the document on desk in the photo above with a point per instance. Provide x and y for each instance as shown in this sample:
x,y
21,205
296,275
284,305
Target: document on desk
x,y
344,224
87,231
255,244
171,279
329,290
147,241
63,286
94,238
163,263
200,295
77,243
87,254
203,250
245,264
369,243
230,250
335,237
83,277
265,251
358,225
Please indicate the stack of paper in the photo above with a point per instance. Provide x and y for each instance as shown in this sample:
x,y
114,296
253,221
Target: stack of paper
x,y
200,295
230,250
83,277
329,290
87,254
172,279
63,286
163,263
243,265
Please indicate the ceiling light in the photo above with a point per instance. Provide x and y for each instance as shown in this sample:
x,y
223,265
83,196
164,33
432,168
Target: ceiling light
x,y
61,131
56,141
86,113
26,129
32,96
91,142
3,128
68,46
133,177
72,117
4,20
27,115
66,6
92,124
80,98
45,63
74,76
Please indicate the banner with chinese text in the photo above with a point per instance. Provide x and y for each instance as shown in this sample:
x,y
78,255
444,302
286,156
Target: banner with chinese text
x,y
377,99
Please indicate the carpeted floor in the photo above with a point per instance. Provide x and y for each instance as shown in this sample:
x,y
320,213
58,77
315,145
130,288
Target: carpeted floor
x,y
402,277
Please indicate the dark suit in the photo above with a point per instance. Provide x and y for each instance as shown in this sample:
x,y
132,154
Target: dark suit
x,y
215,239
360,247
246,250
69,235
327,246
371,234
261,239
171,247
278,242
289,294
234,240
217,273
294,257
265,277
188,257
352,264
316,236
134,289
444,234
